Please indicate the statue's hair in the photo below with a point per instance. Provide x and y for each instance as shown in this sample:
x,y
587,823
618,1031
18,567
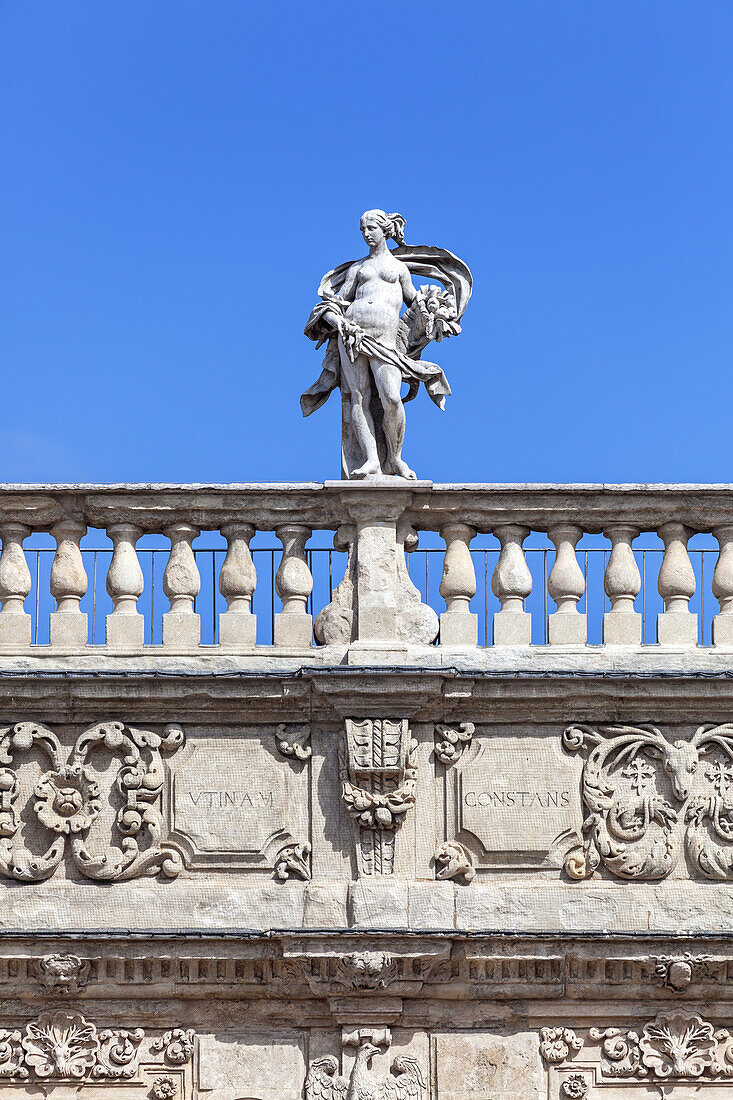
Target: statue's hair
x,y
392,224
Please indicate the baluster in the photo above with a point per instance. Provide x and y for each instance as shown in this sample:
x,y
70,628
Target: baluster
x,y
15,584
622,582
566,584
458,625
676,625
181,583
511,583
293,584
68,626
723,587
125,626
237,581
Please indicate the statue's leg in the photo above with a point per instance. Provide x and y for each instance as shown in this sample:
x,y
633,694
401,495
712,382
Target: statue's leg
x,y
355,378
388,381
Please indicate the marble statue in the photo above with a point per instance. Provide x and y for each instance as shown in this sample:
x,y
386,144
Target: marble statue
x,y
373,347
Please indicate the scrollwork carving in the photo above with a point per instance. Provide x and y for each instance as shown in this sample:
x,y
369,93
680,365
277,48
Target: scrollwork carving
x,y
675,1044
455,862
67,801
293,859
66,1046
451,740
638,787
557,1044
294,741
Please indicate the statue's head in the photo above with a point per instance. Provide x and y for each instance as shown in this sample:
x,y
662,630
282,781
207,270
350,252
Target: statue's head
x,y
377,225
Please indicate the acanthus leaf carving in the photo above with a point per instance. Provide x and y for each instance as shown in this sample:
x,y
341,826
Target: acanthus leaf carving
x,y
378,773
638,788
293,859
674,1045
452,739
60,1044
68,801
366,970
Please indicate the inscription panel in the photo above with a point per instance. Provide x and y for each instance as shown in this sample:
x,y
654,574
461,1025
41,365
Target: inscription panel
x,y
515,802
235,803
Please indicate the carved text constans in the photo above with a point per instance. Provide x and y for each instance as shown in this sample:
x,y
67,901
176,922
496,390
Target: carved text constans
x,y
68,802
648,798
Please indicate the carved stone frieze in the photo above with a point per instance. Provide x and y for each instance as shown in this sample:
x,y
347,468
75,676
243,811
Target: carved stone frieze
x,y
406,1079
649,799
378,782
675,1044
677,972
366,970
451,739
66,1046
70,795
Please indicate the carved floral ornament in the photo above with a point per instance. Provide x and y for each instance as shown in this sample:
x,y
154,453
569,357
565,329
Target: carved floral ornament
x,y
674,1045
68,801
67,1046
648,799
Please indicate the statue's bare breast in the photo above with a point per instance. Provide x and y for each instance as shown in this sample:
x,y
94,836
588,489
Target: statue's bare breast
x,y
378,298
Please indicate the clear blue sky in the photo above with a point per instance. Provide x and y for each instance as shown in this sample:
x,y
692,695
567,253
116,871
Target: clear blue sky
x,y
178,174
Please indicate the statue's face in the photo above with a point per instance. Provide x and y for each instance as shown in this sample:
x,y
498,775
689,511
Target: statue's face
x,y
371,231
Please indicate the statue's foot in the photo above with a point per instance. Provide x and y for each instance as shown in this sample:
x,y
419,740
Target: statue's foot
x,y
400,468
369,469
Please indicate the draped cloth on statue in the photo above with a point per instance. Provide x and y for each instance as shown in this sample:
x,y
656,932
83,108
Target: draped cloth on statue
x,y
435,264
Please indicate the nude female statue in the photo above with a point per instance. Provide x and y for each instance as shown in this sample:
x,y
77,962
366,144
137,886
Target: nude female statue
x,y
373,348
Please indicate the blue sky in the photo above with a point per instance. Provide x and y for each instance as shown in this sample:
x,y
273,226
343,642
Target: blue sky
x,y
178,175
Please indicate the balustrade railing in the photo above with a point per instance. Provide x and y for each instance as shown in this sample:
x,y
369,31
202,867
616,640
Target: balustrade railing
x,y
122,568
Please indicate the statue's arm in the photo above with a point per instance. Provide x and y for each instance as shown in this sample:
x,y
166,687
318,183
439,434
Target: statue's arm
x,y
347,292
409,294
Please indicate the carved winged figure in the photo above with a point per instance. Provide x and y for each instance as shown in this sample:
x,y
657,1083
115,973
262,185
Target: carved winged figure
x,y
373,348
405,1080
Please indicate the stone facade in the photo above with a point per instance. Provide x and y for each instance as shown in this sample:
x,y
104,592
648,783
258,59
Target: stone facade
x,y
369,863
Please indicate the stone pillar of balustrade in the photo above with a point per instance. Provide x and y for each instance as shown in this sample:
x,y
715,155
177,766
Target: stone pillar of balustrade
x,y
125,627
511,583
622,582
15,585
723,586
458,625
566,585
293,583
237,581
68,625
181,584
676,625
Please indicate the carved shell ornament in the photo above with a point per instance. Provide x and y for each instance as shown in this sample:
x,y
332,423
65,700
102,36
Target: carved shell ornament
x,y
68,798
649,798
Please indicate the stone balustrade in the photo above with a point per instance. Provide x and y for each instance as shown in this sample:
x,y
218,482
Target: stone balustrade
x,y
376,613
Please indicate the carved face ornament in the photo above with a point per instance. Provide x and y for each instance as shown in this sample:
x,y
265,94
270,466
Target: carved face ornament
x,y
68,799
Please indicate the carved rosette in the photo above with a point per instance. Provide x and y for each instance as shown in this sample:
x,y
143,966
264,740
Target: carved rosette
x,y
67,799
648,798
378,781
